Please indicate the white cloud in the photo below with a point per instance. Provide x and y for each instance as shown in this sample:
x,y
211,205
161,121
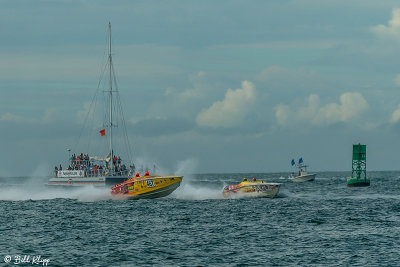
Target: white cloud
x,y
395,115
232,110
282,113
190,94
271,44
272,72
393,28
198,90
20,119
168,91
11,117
48,115
311,110
351,105
397,80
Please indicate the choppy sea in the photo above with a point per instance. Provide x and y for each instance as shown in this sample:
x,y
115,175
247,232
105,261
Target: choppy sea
x,y
320,223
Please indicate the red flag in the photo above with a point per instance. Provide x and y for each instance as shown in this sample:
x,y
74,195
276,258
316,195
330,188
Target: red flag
x,y
103,132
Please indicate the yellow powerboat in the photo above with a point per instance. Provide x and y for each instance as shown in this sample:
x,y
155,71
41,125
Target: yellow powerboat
x,y
252,189
147,186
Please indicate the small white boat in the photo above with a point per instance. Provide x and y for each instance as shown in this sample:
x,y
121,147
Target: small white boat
x,y
302,175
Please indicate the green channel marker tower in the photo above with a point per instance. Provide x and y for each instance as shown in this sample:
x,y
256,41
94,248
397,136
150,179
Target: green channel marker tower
x,y
359,167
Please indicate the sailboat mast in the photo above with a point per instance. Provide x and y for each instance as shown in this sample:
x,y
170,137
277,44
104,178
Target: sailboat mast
x,y
110,86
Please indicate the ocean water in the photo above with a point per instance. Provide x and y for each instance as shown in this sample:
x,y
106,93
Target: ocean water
x,y
320,223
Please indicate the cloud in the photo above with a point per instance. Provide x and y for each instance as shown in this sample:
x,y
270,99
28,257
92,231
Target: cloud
x,y
282,113
351,105
397,80
393,28
10,117
168,91
232,110
199,90
395,115
48,114
272,72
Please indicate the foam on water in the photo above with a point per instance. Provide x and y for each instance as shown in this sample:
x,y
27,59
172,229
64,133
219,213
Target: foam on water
x,y
29,191
35,188
284,193
188,191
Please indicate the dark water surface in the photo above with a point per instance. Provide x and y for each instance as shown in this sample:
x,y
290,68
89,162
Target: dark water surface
x,y
308,224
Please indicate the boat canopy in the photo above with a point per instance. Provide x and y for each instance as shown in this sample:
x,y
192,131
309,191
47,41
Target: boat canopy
x,y
106,159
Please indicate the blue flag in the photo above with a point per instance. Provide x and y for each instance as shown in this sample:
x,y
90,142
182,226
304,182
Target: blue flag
x,y
292,162
300,160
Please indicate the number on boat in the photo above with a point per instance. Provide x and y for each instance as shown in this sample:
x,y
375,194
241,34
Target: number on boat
x,y
150,183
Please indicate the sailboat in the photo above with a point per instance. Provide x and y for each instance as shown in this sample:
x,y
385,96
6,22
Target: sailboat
x,y
302,175
109,169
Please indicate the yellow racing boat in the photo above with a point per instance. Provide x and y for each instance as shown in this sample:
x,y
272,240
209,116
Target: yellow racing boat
x,y
147,186
252,189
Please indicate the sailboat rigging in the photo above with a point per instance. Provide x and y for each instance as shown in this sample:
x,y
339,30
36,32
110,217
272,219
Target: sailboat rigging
x,y
84,169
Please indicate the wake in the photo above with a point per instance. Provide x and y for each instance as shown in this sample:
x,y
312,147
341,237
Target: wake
x,y
23,192
188,191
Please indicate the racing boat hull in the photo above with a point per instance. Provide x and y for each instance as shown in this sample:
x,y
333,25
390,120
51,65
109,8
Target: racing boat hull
x,y
147,187
252,189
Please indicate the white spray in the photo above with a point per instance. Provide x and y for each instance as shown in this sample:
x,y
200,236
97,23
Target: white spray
x,y
189,190
34,188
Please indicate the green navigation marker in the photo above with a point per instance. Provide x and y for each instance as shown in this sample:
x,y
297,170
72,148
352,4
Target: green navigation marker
x,y
359,167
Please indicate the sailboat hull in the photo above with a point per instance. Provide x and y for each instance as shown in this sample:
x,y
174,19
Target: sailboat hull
x,y
85,181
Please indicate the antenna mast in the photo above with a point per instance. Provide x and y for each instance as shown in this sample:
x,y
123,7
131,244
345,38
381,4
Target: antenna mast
x,y
110,86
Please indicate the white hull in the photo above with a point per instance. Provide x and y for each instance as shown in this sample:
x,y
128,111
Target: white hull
x,y
270,193
304,178
101,181
74,181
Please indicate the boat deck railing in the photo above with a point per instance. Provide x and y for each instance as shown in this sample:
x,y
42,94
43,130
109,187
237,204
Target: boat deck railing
x,y
92,173
93,167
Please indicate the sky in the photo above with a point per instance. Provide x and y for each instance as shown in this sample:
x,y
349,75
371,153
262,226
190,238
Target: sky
x,y
221,86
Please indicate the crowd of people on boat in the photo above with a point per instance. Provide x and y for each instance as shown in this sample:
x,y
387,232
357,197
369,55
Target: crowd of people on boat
x,y
79,162
119,169
91,169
